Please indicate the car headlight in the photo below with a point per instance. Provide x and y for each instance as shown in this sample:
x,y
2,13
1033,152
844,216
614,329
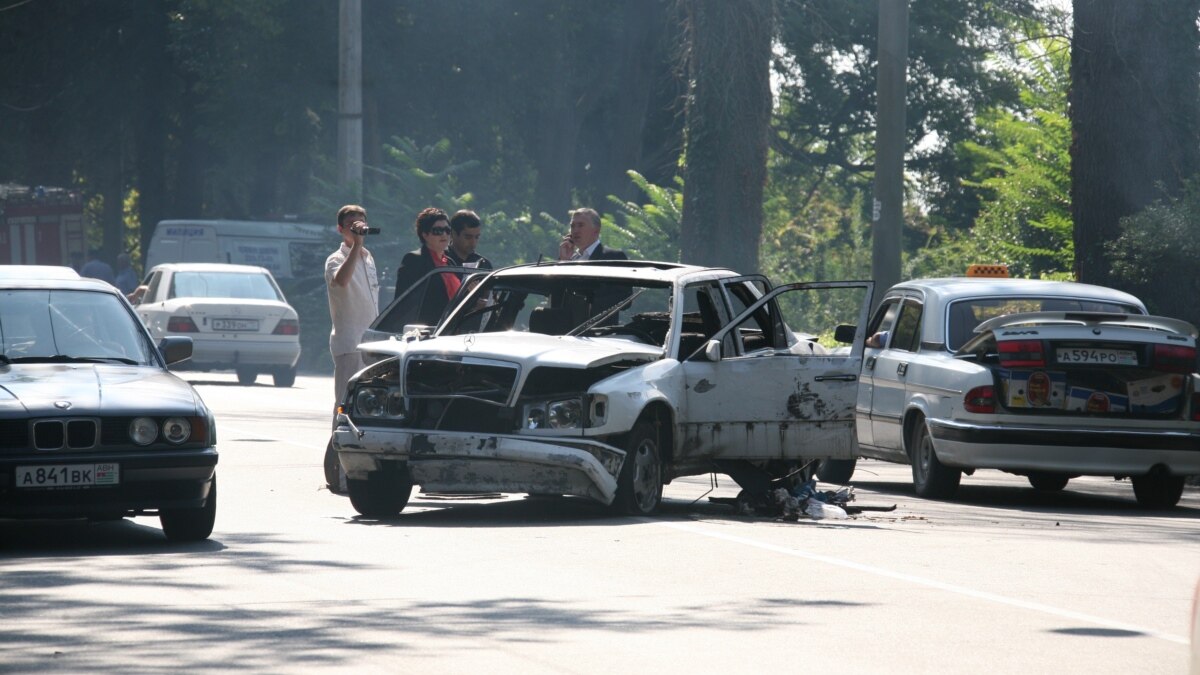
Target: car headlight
x,y
143,430
564,414
560,414
371,401
176,430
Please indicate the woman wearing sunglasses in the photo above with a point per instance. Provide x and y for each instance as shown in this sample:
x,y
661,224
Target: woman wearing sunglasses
x,y
433,229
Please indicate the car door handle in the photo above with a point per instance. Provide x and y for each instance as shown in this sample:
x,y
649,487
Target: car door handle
x,y
836,378
901,369
870,364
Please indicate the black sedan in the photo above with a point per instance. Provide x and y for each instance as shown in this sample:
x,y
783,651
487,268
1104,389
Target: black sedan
x,y
92,424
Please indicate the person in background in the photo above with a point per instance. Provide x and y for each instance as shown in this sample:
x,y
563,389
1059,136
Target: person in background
x,y
352,286
465,228
76,260
433,229
97,268
127,279
583,241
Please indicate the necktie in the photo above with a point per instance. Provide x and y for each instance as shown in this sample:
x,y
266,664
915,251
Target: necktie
x,y
577,255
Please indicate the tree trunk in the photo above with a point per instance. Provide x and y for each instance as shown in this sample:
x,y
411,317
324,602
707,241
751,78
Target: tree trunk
x,y
728,115
150,131
1134,106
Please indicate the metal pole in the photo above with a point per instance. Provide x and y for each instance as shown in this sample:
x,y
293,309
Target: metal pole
x,y
350,129
887,213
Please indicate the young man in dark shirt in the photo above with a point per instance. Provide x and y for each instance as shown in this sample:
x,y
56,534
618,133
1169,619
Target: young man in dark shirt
x,y
465,228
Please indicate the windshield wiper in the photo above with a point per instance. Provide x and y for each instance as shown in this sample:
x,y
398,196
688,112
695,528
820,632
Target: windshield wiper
x,y
604,314
66,358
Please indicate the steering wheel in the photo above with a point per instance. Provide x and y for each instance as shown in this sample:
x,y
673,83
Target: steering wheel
x,y
627,330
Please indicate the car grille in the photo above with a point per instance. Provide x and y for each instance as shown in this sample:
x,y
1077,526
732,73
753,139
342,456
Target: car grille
x,y
58,434
460,377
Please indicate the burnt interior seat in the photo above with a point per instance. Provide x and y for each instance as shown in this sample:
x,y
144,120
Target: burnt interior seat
x,y
549,320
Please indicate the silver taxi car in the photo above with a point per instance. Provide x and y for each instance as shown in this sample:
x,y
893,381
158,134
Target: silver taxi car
x,y
1046,379
605,379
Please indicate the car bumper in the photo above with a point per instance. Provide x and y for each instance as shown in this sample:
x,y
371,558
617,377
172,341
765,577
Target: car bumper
x,y
444,461
1103,452
225,353
147,482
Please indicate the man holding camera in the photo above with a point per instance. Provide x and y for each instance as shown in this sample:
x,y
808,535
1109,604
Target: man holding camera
x,y
352,285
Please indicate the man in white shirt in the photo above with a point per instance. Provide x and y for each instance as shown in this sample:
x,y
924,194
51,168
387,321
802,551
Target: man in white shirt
x,y
352,285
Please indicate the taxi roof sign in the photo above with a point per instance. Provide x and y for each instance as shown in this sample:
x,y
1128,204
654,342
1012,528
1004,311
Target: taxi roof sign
x,y
995,271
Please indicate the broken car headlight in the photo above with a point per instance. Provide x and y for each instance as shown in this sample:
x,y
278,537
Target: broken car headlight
x,y
371,401
561,414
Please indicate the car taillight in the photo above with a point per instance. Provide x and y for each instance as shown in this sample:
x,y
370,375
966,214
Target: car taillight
x,y
1013,353
286,327
181,324
1174,359
980,400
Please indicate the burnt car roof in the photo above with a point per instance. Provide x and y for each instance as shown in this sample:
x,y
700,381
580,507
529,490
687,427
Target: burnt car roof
x,y
666,272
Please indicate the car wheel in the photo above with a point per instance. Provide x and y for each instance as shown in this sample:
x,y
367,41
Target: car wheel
x,y
1157,490
383,494
285,376
335,477
246,376
191,524
1048,482
931,478
639,485
837,471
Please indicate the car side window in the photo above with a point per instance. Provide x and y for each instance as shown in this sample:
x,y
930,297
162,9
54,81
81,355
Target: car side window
x,y
885,317
907,334
757,331
152,291
703,315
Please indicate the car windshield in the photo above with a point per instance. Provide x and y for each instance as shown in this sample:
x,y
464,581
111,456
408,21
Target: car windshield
x,y
965,315
241,285
39,325
561,305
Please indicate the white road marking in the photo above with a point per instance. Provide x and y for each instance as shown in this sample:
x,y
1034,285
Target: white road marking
x,y
951,588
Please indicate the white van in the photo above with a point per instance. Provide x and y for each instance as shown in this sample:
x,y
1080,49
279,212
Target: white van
x,y
288,249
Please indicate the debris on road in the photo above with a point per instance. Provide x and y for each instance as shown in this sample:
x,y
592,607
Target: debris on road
x,y
802,501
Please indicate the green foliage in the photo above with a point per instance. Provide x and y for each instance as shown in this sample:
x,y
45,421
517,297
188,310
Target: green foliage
x,y
1023,170
1155,255
648,231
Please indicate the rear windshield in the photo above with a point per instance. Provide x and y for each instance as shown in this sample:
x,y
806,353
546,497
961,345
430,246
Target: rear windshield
x,y
965,315
241,285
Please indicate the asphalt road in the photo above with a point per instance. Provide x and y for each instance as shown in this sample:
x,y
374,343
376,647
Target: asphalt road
x,y
1005,580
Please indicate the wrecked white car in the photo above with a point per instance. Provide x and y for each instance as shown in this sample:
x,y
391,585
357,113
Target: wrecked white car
x,y
606,380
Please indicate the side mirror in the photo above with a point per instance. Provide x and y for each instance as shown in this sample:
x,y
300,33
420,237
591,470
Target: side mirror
x,y
712,350
845,333
175,348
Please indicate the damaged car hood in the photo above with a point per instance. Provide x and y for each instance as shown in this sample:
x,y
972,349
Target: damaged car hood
x,y
525,348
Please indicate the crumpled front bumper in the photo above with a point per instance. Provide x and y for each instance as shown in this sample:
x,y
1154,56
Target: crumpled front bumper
x,y
450,461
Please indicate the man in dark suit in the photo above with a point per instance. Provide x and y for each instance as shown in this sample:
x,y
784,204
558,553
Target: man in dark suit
x,y
465,228
583,242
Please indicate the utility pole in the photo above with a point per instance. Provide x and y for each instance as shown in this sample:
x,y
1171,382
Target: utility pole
x,y
887,212
350,117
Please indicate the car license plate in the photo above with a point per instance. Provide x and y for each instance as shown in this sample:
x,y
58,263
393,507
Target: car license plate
x,y
235,324
68,475
1104,357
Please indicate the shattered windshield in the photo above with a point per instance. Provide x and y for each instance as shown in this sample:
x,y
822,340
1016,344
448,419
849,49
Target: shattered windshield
x,y
60,326
556,305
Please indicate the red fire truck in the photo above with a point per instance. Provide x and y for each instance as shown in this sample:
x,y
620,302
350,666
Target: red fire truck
x,y
40,226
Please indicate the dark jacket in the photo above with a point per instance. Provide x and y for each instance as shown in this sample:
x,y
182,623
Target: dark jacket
x,y
413,266
603,252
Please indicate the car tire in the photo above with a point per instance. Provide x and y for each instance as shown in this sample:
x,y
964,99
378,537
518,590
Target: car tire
x,y
382,495
335,477
246,376
640,484
1157,490
284,376
931,478
191,524
837,471
1048,482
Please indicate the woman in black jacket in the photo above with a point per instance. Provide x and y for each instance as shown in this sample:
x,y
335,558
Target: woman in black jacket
x,y
433,229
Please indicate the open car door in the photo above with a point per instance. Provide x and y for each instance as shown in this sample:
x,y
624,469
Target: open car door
x,y
405,310
766,387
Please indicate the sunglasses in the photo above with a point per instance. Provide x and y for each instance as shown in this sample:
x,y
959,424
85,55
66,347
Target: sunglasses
x,y
439,230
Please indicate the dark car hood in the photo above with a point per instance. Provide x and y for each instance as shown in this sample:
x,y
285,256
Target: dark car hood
x,y
92,389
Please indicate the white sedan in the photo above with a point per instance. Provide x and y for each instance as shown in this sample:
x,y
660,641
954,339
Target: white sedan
x,y
236,316
1049,380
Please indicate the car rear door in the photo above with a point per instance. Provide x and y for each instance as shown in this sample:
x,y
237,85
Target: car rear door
x,y
777,394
